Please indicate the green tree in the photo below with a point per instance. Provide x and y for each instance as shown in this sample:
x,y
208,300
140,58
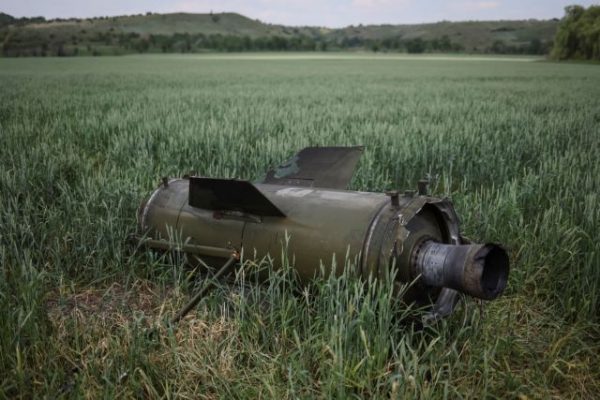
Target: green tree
x,y
415,45
578,35
498,47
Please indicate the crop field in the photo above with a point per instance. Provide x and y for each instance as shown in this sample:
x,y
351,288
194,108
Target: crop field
x,y
514,142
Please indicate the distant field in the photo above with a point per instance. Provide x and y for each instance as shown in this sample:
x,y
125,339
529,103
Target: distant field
x,y
83,140
357,56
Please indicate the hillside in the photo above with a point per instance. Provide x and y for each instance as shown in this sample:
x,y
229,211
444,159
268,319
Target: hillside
x,y
160,24
473,36
182,32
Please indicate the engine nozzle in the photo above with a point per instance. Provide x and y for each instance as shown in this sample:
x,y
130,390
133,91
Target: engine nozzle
x,y
479,270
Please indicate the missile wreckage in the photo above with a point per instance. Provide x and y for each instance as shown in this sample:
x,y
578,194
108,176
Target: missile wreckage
x,y
305,202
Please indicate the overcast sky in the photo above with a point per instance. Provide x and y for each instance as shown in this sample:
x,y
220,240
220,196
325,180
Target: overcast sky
x,y
331,13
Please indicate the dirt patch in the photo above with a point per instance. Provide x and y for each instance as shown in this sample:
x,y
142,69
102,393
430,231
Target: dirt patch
x,y
111,303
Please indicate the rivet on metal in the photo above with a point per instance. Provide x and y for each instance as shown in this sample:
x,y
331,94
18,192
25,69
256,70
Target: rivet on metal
x,y
393,197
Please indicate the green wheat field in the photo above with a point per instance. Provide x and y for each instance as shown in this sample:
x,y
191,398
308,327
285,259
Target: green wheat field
x,y
515,142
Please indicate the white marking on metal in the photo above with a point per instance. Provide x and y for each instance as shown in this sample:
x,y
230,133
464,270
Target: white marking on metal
x,y
293,192
335,195
401,219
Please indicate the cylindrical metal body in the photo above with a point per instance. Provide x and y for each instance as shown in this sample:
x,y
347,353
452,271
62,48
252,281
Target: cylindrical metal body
x,y
321,225
370,231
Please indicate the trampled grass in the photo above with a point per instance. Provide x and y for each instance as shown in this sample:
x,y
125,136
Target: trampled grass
x,y
83,140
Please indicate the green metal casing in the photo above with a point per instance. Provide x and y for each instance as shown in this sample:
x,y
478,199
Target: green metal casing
x,y
322,228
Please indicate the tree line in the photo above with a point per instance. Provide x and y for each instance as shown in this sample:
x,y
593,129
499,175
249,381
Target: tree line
x,y
114,43
111,41
578,35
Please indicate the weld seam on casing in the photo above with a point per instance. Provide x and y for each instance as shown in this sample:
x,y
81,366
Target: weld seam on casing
x,y
185,203
146,209
367,241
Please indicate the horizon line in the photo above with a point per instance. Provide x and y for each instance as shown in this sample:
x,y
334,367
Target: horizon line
x,y
148,13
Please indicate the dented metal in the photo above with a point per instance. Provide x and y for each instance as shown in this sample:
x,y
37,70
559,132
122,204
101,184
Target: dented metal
x,y
325,227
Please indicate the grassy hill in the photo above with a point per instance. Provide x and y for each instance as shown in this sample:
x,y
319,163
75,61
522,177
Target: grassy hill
x,y
183,32
161,24
471,35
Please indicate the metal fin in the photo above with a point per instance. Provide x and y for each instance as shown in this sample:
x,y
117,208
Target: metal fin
x,y
322,167
230,195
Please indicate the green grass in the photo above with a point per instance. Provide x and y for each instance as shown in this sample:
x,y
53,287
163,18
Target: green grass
x,y
83,140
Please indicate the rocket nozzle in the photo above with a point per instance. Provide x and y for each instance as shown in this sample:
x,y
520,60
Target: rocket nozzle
x,y
479,270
